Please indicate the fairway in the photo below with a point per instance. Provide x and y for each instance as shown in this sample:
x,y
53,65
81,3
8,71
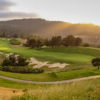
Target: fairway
x,y
78,58
70,55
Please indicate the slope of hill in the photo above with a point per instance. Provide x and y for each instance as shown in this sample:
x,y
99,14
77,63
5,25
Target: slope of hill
x,y
89,32
81,90
80,67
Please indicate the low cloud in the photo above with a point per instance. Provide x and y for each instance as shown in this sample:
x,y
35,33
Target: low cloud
x,y
17,15
5,5
5,12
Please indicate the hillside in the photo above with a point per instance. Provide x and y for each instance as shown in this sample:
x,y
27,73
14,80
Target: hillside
x,y
75,68
89,32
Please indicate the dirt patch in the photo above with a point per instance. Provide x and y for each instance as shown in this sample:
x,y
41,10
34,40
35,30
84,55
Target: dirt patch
x,y
39,64
7,93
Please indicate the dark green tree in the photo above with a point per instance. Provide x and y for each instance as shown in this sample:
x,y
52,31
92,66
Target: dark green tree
x,y
78,41
39,44
69,41
96,62
31,42
55,41
47,42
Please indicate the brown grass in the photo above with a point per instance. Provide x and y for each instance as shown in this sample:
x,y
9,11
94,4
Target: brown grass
x,y
7,93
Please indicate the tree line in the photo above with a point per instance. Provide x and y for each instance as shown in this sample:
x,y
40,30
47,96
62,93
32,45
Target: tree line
x,y
55,41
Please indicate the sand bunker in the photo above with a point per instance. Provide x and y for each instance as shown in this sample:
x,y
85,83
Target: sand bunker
x,y
39,64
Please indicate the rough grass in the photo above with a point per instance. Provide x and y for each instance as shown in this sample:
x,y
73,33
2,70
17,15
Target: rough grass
x,y
7,93
74,91
75,56
81,90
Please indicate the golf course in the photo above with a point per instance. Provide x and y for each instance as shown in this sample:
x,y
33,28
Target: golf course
x,y
78,58
79,66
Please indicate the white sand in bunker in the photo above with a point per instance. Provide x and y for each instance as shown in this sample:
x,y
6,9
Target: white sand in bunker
x,y
39,64
7,93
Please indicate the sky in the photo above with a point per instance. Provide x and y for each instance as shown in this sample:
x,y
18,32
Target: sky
x,y
74,11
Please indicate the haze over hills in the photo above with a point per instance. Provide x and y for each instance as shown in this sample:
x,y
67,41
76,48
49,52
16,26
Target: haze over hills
x,y
89,32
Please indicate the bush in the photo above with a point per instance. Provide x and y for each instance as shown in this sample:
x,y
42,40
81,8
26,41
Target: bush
x,y
38,70
15,60
6,62
1,68
15,41
86,45
21,61
25,69
18,69
18,64
96,62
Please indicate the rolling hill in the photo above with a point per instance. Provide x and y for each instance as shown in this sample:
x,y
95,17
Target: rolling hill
x,y
89,32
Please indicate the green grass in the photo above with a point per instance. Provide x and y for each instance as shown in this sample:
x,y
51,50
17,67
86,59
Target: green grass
x,y
77,57
82,90
70,55
17,85
53,76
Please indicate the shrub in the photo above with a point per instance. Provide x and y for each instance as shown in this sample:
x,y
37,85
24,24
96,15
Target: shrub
x,y
6,62
15,41
18,64
86,45
25,69
21,61
15,60
53,74
96,62
1,68
18,69
38,70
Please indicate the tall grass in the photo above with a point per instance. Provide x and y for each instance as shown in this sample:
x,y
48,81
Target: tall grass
x,y
83,90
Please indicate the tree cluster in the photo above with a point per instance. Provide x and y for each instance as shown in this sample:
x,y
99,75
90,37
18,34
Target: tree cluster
x,y
14,60
18,64
55,41
34,43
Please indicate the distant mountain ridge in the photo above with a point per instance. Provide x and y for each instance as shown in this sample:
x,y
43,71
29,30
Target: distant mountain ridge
x,y
44,28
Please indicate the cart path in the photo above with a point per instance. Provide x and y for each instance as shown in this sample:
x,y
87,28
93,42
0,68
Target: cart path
x,y
52,82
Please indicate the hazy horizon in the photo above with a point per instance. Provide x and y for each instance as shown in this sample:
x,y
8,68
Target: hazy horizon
x,y
77,11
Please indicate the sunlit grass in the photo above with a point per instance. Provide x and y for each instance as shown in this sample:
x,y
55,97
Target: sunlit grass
x,y
81,90
70,55
4,48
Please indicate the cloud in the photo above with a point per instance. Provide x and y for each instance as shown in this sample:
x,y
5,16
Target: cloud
x,y
5,12
5,5
17,15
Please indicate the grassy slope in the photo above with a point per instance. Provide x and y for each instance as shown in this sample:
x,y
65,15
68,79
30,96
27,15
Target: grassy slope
x,y
11,84
71,55
83,90
53,77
